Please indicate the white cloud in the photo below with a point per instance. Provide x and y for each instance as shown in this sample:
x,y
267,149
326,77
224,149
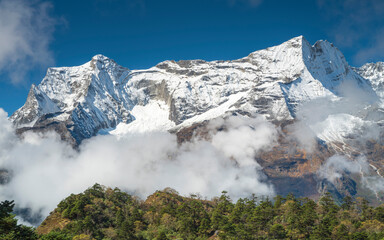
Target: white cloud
x,y
335,166
25,34
46,170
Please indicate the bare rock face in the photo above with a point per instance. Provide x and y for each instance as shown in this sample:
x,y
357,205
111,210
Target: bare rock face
x,y
288,83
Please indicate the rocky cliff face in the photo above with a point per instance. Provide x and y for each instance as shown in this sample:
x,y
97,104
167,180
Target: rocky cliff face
x,y
287,83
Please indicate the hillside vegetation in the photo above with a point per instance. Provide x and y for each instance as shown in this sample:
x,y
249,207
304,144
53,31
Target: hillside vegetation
x,y
105,213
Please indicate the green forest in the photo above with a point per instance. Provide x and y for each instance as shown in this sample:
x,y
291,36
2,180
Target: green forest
x,y
106,213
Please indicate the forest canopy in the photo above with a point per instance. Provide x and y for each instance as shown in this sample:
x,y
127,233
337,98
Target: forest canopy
x,y
106,213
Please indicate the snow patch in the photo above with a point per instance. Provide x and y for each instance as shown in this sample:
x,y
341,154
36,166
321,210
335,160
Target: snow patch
x,y
152,117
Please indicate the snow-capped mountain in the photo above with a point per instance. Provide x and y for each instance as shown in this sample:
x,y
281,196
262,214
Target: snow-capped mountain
x,y
294,82
103,95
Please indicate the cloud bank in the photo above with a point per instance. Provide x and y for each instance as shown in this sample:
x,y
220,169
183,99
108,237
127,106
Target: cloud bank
x,y
26,29
45,170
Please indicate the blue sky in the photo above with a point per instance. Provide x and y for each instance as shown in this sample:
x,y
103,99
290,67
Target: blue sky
x,y
138,34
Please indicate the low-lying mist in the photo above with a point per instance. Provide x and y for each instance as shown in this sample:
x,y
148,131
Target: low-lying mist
x,y
44,170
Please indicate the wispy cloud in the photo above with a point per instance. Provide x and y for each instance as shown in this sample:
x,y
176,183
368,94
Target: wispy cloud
x,y
356,24
26,29
337,165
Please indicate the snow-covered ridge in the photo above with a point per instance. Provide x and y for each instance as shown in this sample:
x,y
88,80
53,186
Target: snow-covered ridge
x,y
101,94
374,72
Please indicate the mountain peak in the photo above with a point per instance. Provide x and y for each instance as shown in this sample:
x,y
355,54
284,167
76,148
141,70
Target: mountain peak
x,y
298,38
298,41
101,62
100,57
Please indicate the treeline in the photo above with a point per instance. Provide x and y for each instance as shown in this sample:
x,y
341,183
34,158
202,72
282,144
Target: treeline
x,y
105,213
